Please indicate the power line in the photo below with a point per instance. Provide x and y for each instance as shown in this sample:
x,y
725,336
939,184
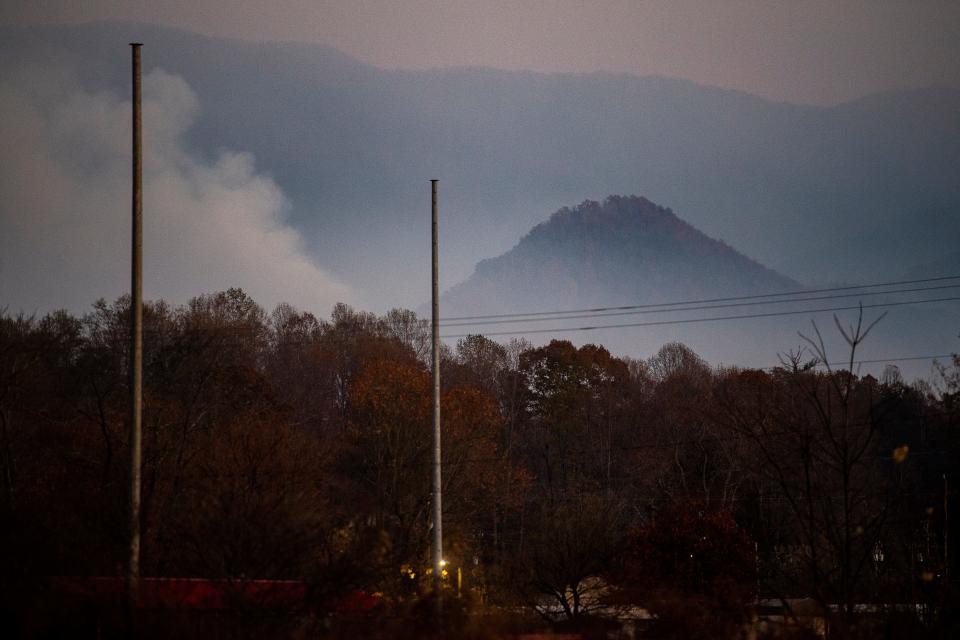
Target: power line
x,y
749,316
702,308
705,300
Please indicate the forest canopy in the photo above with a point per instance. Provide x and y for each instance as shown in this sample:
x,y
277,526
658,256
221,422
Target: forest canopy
x,y
281,446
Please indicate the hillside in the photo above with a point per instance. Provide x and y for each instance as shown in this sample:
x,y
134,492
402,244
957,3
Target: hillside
x,y
625,250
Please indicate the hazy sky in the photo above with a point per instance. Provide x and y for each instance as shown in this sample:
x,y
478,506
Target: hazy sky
x,y
819,51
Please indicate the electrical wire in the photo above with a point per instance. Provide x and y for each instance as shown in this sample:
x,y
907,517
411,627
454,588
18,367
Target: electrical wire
x,y
607,314
749,316
705,300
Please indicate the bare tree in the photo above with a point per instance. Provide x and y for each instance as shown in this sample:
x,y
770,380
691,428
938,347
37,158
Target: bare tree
x,y
815,434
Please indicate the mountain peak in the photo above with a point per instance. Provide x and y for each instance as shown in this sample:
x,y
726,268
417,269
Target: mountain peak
x,y
611,209
617,213
623,250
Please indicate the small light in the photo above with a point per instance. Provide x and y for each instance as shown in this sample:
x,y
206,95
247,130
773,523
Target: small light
x,y
900,453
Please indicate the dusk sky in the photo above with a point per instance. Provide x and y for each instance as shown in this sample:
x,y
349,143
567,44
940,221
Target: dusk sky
x,y
277,165
814,51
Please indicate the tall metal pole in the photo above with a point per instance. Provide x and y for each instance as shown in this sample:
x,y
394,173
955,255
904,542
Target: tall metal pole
x,y
136,336
437,505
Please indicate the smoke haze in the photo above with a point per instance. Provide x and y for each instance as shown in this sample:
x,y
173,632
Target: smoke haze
x,y
210,222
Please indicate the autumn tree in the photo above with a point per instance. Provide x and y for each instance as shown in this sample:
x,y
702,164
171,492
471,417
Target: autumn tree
x,y
577,421
390,436
691,460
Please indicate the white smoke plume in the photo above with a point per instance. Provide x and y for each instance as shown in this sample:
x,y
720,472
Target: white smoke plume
x,y
209,223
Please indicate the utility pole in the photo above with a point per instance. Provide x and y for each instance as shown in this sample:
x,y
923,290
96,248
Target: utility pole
x,y
136,337
437,506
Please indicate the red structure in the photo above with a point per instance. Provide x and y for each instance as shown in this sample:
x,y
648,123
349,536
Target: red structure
x,y
199,594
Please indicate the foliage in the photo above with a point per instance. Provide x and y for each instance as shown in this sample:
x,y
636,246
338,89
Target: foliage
x,y
576,484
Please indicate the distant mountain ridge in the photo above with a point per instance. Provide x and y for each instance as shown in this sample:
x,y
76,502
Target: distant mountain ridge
x,y
853,192
625,250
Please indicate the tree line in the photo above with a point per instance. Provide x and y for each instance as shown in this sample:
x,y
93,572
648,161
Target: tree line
x,y
578,485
